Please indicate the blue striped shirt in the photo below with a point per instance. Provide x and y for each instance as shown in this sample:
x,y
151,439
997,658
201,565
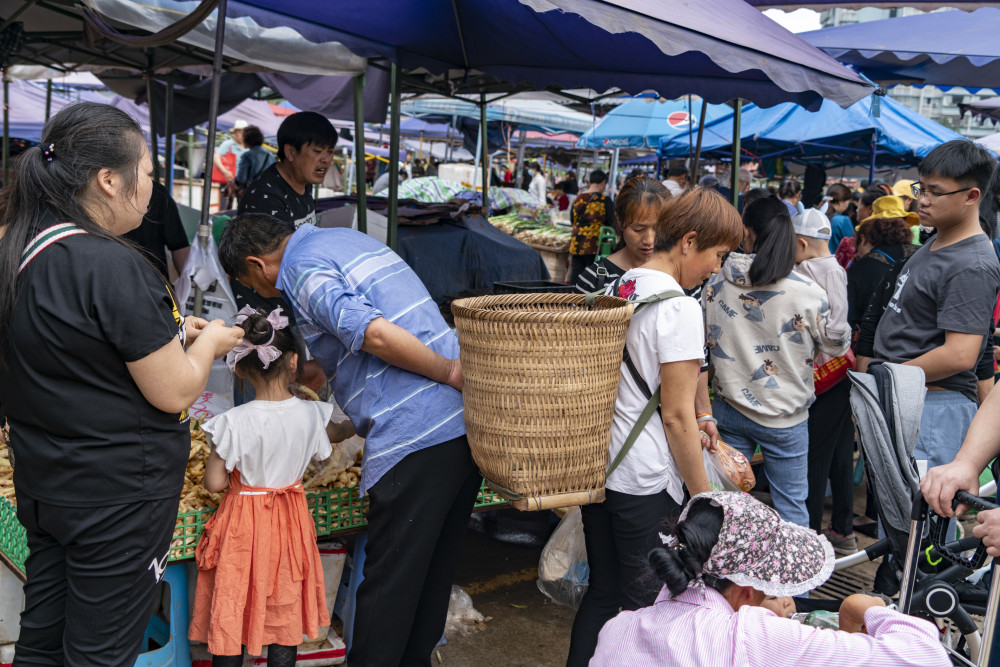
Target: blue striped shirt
x,y
339,280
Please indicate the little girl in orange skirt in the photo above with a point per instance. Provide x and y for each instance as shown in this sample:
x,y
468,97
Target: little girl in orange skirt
x,y
260,582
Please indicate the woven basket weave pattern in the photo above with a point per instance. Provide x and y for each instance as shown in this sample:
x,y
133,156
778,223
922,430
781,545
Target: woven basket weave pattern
x,y
541,374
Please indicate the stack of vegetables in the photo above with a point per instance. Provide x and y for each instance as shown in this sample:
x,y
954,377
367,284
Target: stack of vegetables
x,y
526,226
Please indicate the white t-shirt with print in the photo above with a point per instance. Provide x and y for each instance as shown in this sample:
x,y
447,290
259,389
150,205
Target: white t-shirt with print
x,y
271,442
661,333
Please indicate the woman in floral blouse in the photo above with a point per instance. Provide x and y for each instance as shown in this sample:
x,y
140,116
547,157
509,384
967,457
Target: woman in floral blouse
x,y
591,211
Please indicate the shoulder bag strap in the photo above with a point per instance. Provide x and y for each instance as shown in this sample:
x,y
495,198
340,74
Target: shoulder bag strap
x,y
44,239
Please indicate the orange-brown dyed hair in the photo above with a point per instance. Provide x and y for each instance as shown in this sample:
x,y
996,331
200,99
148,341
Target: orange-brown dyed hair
x,y
701,210
639,193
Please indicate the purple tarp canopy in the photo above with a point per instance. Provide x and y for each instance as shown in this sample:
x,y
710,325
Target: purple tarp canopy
x,y
944,49
718,50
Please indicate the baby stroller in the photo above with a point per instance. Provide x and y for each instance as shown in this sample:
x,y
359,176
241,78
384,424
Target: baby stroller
x,y
939,579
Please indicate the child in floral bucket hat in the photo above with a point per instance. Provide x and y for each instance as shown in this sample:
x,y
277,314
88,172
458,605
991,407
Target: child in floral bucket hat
x,y
726,557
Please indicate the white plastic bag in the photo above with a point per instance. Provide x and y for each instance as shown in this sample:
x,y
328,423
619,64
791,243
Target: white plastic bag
x,y
563,571
463,619
203,270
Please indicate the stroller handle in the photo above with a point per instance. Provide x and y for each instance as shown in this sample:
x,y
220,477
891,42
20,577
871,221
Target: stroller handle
x,y
966,498
938,529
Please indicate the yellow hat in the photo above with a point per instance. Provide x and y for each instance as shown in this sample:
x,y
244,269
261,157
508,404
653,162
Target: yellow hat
x,y
902,188
891,206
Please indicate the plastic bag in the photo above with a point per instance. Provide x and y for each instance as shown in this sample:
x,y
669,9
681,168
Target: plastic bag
x,y
727,469
203,270
463,619
563,571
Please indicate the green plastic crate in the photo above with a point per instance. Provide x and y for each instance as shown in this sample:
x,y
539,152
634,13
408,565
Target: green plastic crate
x,y
13,537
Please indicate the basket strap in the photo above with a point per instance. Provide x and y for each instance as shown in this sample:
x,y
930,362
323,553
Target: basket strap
x,y
652,405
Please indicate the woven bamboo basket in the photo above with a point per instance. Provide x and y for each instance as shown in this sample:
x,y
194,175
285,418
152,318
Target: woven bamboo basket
x,y
541,374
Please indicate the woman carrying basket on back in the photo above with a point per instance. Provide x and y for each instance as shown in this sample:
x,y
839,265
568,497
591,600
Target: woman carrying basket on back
x,y
665,342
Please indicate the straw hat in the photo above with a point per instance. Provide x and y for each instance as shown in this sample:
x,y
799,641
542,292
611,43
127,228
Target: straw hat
x,y
891,206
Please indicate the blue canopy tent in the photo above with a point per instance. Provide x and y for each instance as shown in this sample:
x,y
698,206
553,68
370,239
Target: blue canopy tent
x,y
719,51
943,49
642,121
532,114
831,137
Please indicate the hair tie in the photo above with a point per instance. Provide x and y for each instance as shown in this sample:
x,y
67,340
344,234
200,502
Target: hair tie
x,y
266,352
48,151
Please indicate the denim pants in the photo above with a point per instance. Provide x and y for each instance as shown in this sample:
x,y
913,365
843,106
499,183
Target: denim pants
x,y
786,457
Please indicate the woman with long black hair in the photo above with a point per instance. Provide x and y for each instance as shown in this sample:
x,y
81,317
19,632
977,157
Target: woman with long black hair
x,y
764,325
95,382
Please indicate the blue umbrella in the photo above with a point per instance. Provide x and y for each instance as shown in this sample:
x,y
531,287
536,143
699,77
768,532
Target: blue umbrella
x,y
944,49
830,136
641,122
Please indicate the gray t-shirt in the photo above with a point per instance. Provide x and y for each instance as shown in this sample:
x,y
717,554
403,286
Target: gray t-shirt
x,y
950,289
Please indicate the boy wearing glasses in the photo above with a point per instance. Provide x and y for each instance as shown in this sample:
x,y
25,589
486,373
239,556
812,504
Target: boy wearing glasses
x,y
942,305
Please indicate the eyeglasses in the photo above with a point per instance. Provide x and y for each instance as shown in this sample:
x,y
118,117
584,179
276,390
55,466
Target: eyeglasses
x,y
917,191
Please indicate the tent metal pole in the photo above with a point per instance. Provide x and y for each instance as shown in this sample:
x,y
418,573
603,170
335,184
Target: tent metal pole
x,y
205,225
690,139
519,169
154,152
697,149
871,166
190,157
6,125
395,83
168,141
734,171
484,135
48,99
359,151
613,180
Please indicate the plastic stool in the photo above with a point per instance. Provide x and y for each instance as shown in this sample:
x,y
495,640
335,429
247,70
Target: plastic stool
x,y
174,651
606,242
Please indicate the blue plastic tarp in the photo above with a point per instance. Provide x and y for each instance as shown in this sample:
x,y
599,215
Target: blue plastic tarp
x,y
27,107
830,136
717,50
643,121
944,49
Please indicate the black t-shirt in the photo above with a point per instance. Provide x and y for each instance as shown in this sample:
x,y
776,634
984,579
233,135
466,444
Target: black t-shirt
x,y
162,227
272,194
82,432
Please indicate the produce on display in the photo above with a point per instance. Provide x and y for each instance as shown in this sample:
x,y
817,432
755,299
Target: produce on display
x,y
532,230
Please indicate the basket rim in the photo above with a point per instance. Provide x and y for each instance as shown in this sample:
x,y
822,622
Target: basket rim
x,y
613,308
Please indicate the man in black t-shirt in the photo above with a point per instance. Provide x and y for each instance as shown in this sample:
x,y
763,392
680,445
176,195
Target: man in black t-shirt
x,y
306,142
162,228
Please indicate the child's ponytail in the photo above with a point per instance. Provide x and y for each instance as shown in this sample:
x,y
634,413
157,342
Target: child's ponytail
x,y
266,344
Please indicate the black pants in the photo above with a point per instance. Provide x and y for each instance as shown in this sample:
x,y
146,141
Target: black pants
x,y
91,580
831,453
417,520
620,533
577,264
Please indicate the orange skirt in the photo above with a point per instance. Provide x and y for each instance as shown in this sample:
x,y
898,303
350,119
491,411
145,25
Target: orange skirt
x,y
260,580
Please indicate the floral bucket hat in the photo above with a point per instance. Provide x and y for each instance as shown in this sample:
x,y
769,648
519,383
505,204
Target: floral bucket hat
x,y
756,548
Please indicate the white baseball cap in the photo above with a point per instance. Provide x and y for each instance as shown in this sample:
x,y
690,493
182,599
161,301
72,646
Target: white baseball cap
x,y
811,223
241,125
